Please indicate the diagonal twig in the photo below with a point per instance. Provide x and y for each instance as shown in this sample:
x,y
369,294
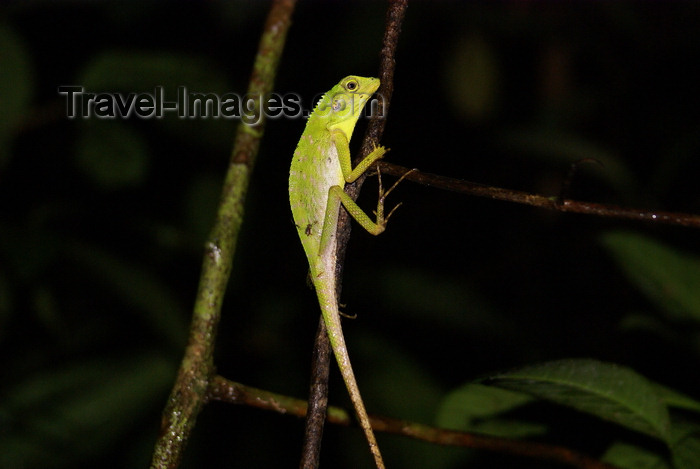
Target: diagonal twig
x,y
189,391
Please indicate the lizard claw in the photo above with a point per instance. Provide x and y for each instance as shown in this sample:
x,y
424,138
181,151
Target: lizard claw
x,y
348,316
381,148
386,220
382,194
381,219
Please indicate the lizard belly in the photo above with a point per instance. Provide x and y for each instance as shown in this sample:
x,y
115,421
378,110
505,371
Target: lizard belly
x,y
308,193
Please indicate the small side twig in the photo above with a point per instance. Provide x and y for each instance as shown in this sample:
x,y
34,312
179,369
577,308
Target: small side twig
x,y
541,201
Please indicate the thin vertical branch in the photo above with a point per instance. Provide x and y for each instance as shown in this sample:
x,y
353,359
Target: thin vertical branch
x,y
318,392
189,392
318,399
394,19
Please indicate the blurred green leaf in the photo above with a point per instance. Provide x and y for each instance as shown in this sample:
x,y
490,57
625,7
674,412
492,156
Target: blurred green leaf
x,y
629,456
46,309
27,250
136,286
557,147
611,392
437,301
667,276
673,398
112,154
16,86
417,401
6,302
685,445
473,77
201,201
57,418
420,394
142,72
476,408
648,323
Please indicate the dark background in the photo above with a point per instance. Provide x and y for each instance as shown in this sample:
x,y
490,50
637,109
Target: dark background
x,y
102,223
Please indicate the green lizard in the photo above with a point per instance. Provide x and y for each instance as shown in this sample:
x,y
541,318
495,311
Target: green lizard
x,y
320,168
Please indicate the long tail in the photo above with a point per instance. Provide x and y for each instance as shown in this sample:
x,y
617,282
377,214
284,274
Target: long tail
x,y
331,316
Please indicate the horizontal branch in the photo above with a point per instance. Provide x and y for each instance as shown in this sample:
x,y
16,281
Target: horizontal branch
x,y
221,389
541,201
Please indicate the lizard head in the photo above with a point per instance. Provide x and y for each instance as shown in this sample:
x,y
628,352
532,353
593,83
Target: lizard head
x,y
345,101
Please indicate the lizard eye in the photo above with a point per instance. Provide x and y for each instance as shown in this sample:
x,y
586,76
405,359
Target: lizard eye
x,y
352,85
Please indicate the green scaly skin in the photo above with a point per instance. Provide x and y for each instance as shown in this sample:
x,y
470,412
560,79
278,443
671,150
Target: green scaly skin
x,y
320,168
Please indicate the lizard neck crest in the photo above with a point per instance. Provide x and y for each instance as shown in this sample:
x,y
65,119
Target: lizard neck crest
x,y
342,105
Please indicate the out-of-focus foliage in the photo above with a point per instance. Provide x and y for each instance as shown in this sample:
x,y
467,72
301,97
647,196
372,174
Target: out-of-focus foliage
x,y
102,224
